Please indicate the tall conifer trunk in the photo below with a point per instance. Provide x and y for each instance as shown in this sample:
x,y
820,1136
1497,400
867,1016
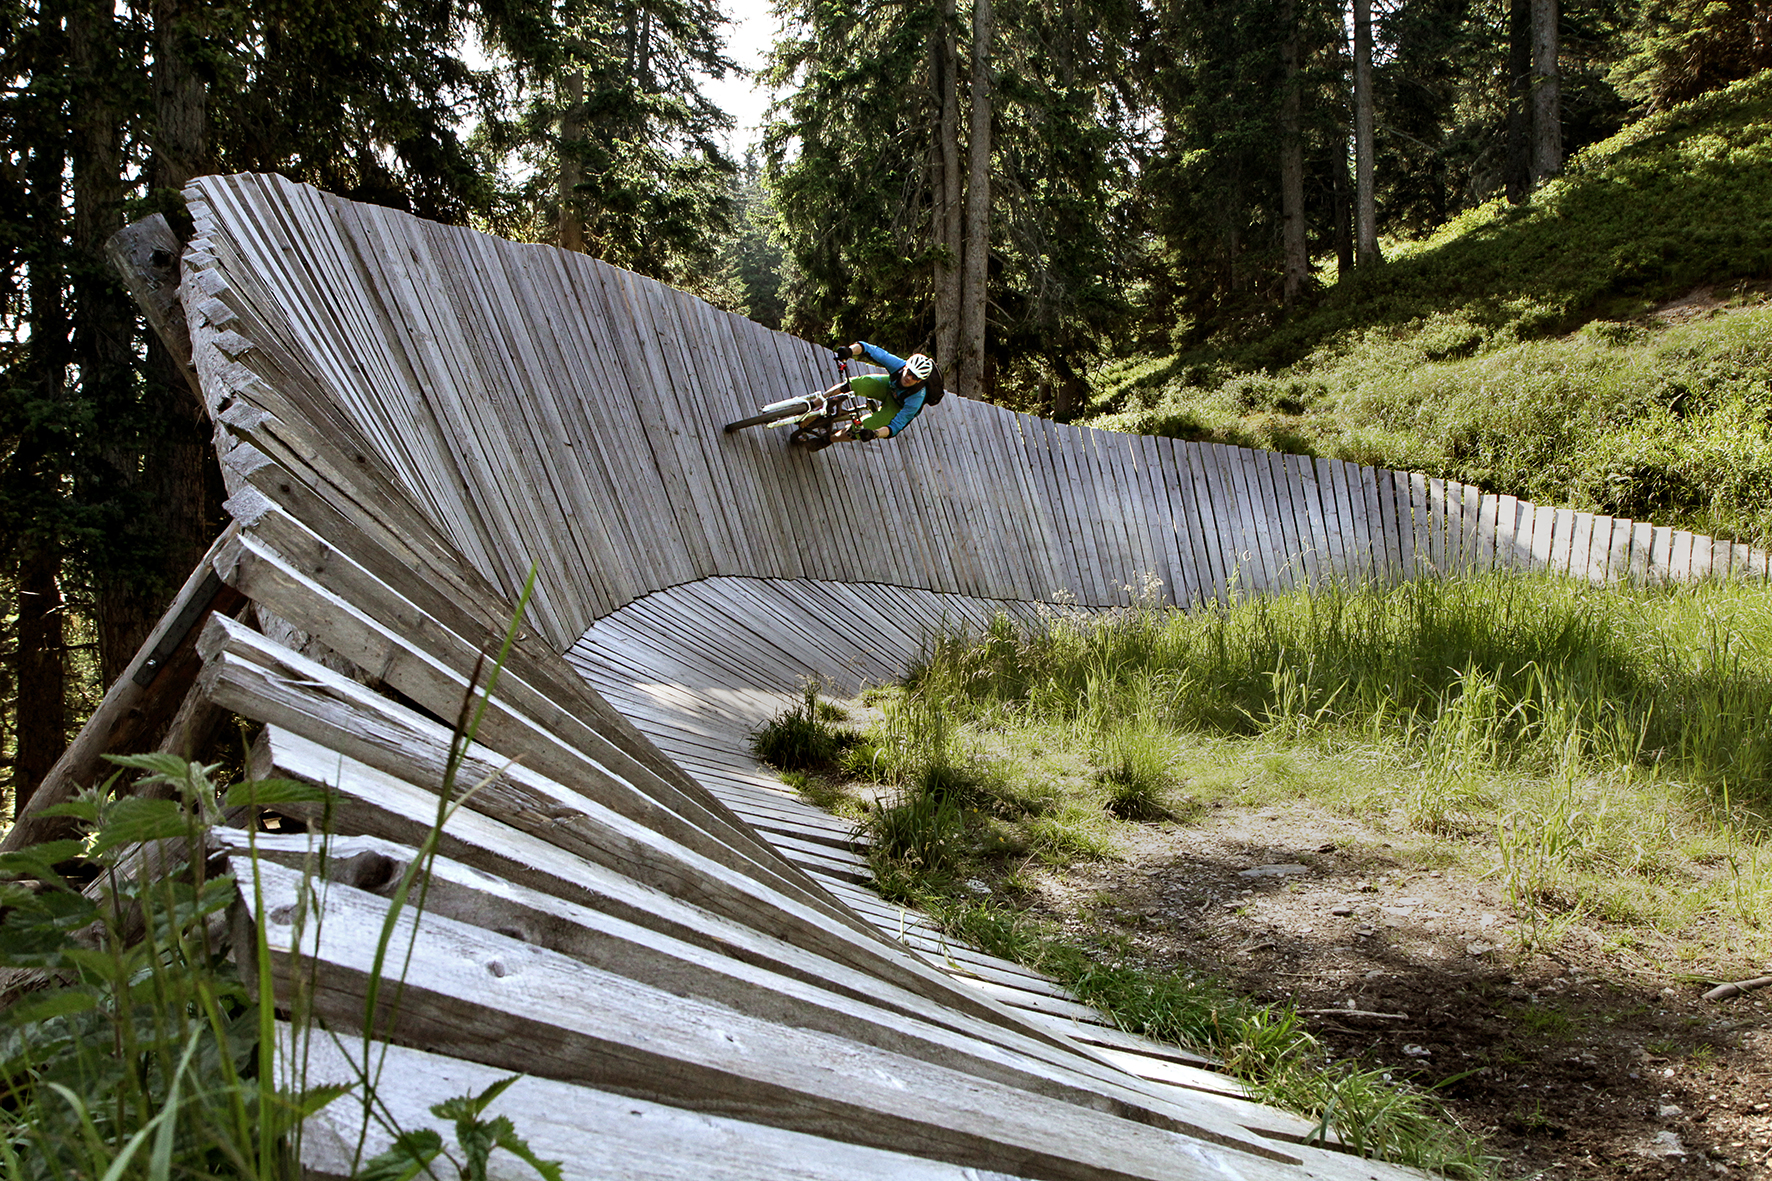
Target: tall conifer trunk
x,y
1292,233
39,662
571,226
1517,165
949,190
179,459
181,95
1341,200
104,333
971,374
1365,205
1547,103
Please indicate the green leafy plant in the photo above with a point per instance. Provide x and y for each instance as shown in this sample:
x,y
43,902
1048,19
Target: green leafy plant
x,y
132,1048
416,1152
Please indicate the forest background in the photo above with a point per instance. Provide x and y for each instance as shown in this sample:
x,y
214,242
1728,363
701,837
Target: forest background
x,y
1340,229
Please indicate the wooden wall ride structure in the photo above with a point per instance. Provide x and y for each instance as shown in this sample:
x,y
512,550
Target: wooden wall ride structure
x,y
681,957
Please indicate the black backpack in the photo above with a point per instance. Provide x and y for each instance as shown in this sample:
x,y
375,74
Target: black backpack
x,y
933,390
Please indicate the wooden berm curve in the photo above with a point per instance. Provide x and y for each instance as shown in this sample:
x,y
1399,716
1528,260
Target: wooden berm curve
x,y
682,959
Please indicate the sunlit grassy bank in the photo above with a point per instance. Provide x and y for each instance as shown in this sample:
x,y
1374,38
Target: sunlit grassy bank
x,y
1514,349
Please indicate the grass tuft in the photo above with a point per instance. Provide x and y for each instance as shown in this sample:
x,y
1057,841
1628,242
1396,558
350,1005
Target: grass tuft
x,y
802,737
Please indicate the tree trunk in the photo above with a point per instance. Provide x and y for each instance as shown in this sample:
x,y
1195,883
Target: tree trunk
x,y
36,469
127,590
976,261
175,469
572,134
1341,198
181,96
1292,232
1517,166
1547,103
949,190
1068,391
42,676
1365,207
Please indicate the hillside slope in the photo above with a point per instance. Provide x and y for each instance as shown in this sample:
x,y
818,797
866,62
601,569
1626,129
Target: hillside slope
x,y
1608,346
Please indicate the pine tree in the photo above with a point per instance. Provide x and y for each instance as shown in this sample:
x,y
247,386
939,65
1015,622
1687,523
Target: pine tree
x,y
976,208
109,491
1688,47
620,144
38,416
753,260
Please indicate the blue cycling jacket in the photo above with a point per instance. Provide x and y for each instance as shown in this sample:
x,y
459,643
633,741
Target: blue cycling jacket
x,y
911,400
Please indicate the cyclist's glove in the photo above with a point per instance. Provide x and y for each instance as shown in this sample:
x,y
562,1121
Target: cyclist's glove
x,y
842,353
863,434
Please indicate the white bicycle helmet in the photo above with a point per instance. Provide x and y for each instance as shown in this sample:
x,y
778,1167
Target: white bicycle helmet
x,y
919,366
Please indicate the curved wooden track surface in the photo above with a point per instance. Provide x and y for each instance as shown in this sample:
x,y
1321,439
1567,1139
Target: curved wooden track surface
x,y
681,957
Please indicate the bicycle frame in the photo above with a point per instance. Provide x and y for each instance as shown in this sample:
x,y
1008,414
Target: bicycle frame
x,y
814,417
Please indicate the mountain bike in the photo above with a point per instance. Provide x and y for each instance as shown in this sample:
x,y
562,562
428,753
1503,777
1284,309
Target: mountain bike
x,y
814,417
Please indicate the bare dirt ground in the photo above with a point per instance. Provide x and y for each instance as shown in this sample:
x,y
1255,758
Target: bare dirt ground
x,y
1587,1062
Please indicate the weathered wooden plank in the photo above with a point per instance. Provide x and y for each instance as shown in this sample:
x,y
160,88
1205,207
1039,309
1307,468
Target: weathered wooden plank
x,y
1195,465
1049,573
1704,551
1544,537
363,574
634,952
1288,529
724,913
1066,497
1435,518
1244,572
1599,549
1488,533
595,1134
1642,538
526,723
1475,552
1618,551
1674,546
627,829
1167,523
986,562
1175,473
1390,520
600,401
1581,537
1085,527
1418,536
1264,557
575,1023
1332,560
1358,546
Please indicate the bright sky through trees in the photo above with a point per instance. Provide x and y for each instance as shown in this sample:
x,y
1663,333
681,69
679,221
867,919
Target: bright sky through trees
x,y
749,35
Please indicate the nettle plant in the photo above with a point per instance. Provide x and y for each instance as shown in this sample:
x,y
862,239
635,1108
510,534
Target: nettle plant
x,y
130,1047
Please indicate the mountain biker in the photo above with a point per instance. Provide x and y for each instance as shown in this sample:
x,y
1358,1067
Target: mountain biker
x,y
909,384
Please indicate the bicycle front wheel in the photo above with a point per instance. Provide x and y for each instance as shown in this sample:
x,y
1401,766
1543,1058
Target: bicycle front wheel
x,y
760,420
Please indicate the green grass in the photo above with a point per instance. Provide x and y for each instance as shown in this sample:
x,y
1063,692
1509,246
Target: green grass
x,y
1603,755
1511,350
1503,672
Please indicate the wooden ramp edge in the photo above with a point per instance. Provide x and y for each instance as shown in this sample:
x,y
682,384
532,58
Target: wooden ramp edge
x,y
420,425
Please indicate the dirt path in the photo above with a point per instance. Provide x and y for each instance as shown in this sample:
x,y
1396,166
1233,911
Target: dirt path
x,y
1586,1062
